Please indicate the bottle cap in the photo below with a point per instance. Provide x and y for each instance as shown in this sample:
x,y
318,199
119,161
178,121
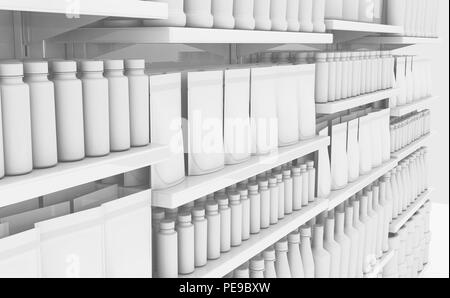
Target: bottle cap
x,y
135,64
158,214
305,231
296,170
257,264
310,164
223,202
269,254
279,176
91,66
286,173
253,186
263,183
331,55
220,196
234,197
35,67
338,55
167,225
11,69
303,167
282,245
185,217
212,206
273,180
321,55
114,65
243,191
355,55
294,237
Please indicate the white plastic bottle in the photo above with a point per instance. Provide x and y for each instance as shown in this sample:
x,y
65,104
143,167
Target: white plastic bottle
x,y
345,74
353,235
139,102
288,192
245,202
119,105
356,80
333,9
278,13
236,218
167,248
243,14
96,108
274,191
200,236
222,11
269,263
225,225
306,251
297,188
292,15
15,97
322,259
282,263
331,76
255,208
344,243
366,10
351,10
186,244
305,15
198,13
319,16
312,181
177,17
261,14
280,184
294,256
305,184
332,247
378,11
339,65
321,78
2,161
396,12
158,215
257,267
264,193
43,119
359,226
242,272
214,237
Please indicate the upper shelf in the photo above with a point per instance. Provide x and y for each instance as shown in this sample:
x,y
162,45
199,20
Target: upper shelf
x,y
339,25
182,35
107,8
397,40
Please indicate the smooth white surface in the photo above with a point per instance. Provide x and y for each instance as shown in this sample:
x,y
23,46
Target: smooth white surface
x,y
339,25
415,106
115,8
405,152
196,187
66,175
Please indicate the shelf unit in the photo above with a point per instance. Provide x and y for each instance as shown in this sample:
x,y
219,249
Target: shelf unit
x,y
412,107
397,40
195,187
410,149
340,25
258,243
348,104
385,259
399,222
66,175
107,8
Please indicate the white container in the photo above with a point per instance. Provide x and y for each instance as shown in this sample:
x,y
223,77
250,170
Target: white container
x,y
280,185
119,105
96,108
306,15
318,17
167,248
356,72
225,225
2,161
292,15
305,184
351,10
158,215
166,129
331,75
43,119
321,78
346,63
243,15
282,263
322,259
323,169
396,12
353,148
269,263
214,237
274,198
294,256
242,272
176,18
306,252
297,188
186,244
306,105
353,235
312,181
334,9
365,143
257,267
255,208
339,66
344,242
366,10
237,134
200,236
359,226
17,136
339,164
332,247
222,13
139,102
261,13
288,192
203,108
278,14
378,11
246,213
198,13
236,219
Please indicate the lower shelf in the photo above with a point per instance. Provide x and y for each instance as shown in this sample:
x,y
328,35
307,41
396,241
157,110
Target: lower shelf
x,y
258,243
387,257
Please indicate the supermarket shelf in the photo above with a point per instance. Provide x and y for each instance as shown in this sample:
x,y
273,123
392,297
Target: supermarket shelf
x,y
258,243
387,257
339,25
65,175
107,8
198,186
412,107
347,104
338,197
179,35
397,40
399,222
407,151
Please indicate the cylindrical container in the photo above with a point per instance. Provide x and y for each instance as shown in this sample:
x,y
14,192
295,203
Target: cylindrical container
x,y
321,78
363,72
338,83
356,80
246,214
214,237
17,140
292,15
236,218
294,256
333,9
369,71
167,248
278,13
139,102
264,193
297,188
331,76
378,11
396,12
255,208
344,243
269,263
280,184
282,262
186,244
305,184
222,11
332,247
176,18
322,259
353,235
157,216
96,108
119,105
200,236
43,119
288,192
366,10
312,181
257,267
359,226
242,272
319,16
69,111
351,10
306,251
261,14
2,161
198,13
225,225
305,15
345,74
350,75
274,191
243,14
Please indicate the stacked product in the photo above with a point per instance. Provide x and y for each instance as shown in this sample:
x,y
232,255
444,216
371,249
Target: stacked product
x,y
419,18
210,226
406,130
413,77
368,11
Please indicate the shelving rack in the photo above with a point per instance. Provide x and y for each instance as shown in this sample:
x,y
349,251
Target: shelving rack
x,y
412,107
408,150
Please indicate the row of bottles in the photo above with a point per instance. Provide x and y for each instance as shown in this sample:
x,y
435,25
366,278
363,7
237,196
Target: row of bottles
x,y
186,238
419,18
340,75
408,129
367,11
411,246
69,118
413,76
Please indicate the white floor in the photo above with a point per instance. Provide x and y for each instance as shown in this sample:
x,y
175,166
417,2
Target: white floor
x,y
439,251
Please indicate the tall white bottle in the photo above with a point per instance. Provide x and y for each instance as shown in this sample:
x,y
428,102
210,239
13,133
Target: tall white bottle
x,y
198,13
43,119
222,11
319,16
177,17
321,78
17,140
306,251
186,244
353,235
264,193
311,181
261,13
359,226
255,208
294,256
242,272
396,12
139,102
167,248
236,218
288,192
322,259
214,237
364,218
278,14
274,192
246,213
243,14
282,263
119,105
158,215
344,242
331,75
200,236
269,263
297,188
339,66
333,248
366,10
280,184
257,267
225,225
292,15
333,9
345,74
351,10
306,15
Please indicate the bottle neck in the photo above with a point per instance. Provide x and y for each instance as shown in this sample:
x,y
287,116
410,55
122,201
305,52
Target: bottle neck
x,y
114,73
11,80
340,223
329,230
36,77
349,217
355,212
166,231
64,75
92,75
363,207
318,237
134,72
